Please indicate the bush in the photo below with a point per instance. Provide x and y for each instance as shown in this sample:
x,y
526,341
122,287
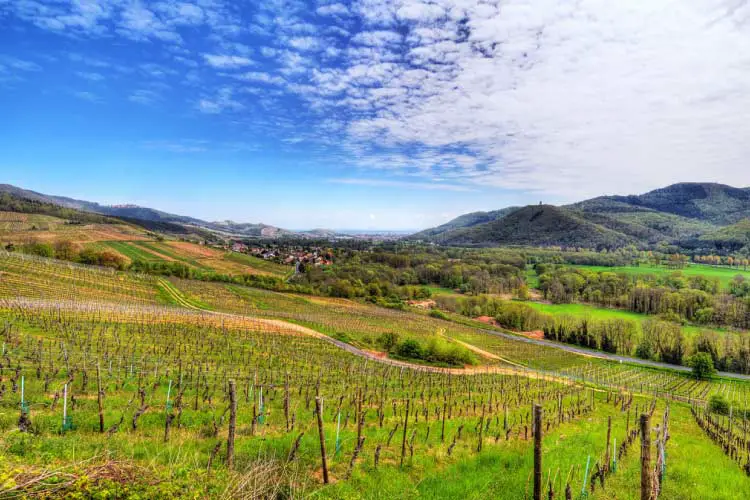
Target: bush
x,y
437,350
40,249
437,313
718,404
645,350
388,340
702,365
410,349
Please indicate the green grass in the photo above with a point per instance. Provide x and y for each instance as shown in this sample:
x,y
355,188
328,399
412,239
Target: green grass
x,y
532,279
259,264
170,252
696,467
586,310
723,274
132,251
438,290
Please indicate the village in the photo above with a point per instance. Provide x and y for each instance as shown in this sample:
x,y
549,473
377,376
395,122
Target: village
x,y
287,254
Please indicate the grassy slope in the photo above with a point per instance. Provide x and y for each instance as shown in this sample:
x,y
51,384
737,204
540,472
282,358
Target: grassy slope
x,y
224,263
502,471
131,251
259,264
697,468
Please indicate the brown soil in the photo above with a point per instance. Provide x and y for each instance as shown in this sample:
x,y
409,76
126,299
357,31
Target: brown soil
x,y
536,334
423,304
376,354
486,319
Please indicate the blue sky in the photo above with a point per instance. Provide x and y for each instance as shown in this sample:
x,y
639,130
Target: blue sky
x,y
396,114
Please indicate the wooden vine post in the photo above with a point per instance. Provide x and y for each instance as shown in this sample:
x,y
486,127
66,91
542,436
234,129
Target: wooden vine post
x,y
607,457
232,424
321,435
403,440
537,452
645,457
99,396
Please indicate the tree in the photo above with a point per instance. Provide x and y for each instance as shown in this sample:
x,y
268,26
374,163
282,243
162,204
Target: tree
x,y
702,365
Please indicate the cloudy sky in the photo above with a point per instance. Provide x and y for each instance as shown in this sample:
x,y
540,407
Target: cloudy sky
x,y
392,114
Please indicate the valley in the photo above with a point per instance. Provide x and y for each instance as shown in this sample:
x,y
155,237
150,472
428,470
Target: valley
x,y
176,353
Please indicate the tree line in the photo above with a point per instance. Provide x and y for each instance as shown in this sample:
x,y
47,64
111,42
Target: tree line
x,y
653,338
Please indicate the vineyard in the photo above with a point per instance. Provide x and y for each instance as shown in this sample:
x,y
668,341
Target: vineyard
x,y
195,256
35,277
106,389
19,228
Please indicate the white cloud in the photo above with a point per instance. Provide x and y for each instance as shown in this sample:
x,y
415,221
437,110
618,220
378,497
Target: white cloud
x,y
226,61
20,64
258,76
549,95
222,101
87,96
90,75
334,9
385,183
141,23
305,43
145,96
182,146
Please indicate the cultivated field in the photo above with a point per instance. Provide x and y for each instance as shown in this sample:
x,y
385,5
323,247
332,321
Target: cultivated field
x,y
107,391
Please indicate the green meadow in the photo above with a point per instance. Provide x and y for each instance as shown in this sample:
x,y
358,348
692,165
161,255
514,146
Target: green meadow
x,y
594,312
723,274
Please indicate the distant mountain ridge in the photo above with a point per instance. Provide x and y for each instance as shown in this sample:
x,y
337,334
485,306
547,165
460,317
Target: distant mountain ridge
x,y
689,215
157,218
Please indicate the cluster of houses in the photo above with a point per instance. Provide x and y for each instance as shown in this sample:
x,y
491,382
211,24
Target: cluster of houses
x,y
315,256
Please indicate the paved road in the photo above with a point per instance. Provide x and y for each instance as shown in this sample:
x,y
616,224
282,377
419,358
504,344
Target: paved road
x,y
604,355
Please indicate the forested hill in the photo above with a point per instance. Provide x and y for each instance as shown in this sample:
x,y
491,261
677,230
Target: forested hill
x,y
697,216
713,203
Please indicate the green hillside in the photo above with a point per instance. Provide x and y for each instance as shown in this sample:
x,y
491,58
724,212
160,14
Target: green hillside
x,y
542,225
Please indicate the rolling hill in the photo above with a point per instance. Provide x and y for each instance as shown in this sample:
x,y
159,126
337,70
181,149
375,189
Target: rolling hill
x,y
690,215
542,225
464,221
157,220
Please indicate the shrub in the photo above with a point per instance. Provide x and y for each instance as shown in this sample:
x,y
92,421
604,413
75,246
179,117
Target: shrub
x,y
645,350
437,313
388,340
718,404
702,365
410,349
40,249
